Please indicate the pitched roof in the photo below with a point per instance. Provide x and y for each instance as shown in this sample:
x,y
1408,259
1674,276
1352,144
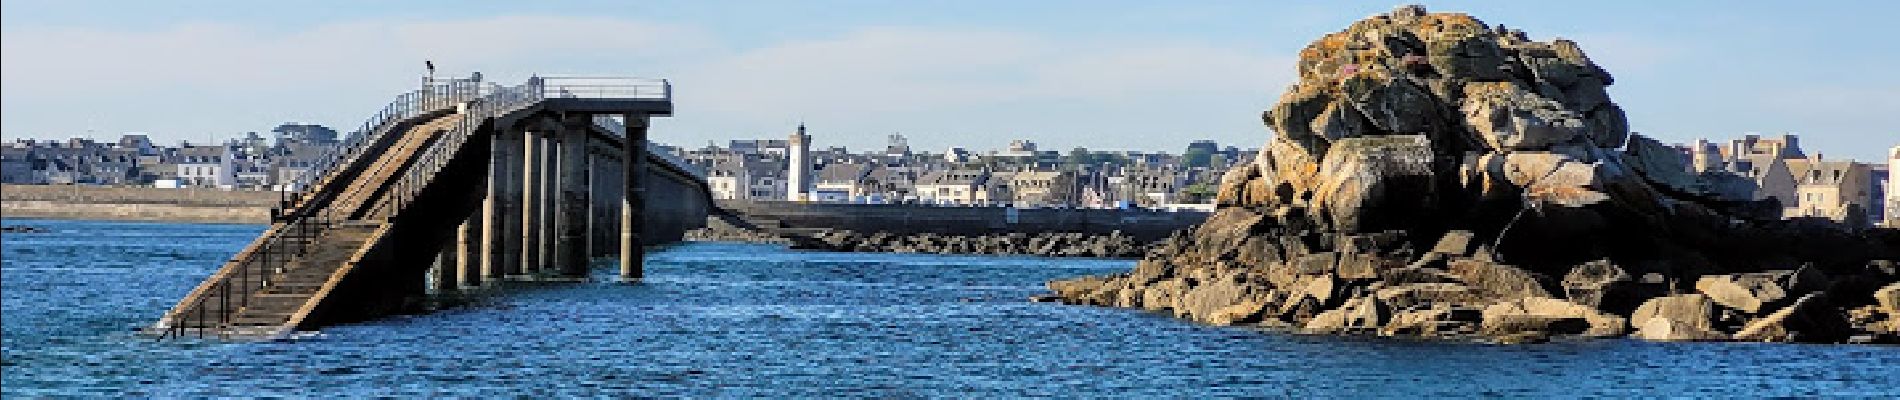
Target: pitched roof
x,y
960,177
843,173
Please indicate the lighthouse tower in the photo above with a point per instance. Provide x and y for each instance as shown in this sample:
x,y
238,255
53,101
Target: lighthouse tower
x,y
798,175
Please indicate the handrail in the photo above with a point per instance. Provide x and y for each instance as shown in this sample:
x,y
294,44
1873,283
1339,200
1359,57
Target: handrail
x,y
252,274
434,95
603,87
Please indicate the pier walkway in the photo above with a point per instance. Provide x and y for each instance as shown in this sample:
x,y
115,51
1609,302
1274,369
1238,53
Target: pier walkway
x,y
458,185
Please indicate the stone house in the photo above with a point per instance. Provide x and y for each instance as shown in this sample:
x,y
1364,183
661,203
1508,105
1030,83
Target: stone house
x,y
765,179
727,179
1773,177
1761,164
1149,186
1839,190
114,166
293,160
18,166
840,183
955,187
889,184
1044,188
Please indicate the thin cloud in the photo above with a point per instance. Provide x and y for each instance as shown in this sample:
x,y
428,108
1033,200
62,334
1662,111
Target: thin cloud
x,y
868,82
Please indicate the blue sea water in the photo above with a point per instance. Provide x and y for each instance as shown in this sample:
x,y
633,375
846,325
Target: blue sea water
x,y
743,320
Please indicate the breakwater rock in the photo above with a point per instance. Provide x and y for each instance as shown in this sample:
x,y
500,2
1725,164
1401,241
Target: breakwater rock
x,y
1048,244
1435,176
717,229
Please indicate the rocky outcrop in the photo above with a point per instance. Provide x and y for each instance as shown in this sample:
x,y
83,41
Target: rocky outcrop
x,y
1436,176
717,229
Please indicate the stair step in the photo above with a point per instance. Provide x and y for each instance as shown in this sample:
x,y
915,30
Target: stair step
x,y
297,276
259,321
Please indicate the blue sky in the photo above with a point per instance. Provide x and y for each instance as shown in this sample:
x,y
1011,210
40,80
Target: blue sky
x,y
1103,74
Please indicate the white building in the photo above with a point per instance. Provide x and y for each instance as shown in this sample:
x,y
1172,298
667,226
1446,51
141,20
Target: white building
x,y
727,180
1893,192
205,166
746,178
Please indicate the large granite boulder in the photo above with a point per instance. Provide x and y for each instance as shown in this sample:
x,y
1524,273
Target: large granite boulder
x,y
1676,318
1888,298
1367,183
1545,316
1745,292
1498,281
1434,175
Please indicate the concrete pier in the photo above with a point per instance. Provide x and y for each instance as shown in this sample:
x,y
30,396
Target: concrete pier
x,y
546,186
530,236
453,189
507,218
632,256
443,273
469,254
570,249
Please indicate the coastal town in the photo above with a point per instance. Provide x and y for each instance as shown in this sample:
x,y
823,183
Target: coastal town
x,y
1750,167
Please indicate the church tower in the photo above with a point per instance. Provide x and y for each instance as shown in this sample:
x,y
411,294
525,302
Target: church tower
x,y
798,177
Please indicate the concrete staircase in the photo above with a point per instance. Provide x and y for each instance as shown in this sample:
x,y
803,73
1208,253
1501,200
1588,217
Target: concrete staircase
x,y
266,290
271,309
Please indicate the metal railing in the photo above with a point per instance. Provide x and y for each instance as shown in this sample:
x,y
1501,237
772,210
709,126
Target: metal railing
x,y
434,95
231,294
593,87
506,100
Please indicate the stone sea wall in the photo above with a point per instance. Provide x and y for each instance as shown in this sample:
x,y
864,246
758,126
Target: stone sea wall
x,y
1100,233
135,203
1143,225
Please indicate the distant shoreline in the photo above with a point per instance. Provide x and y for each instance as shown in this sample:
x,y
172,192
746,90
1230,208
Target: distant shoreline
x,y
135,204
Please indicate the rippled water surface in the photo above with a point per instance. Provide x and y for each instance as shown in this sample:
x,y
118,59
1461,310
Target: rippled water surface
x,y
720,319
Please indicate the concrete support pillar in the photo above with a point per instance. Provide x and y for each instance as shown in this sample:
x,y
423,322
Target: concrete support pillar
x,y
632,256
468,247
530,234
606,217
601,198
442,275
501,232
571,249
547,185
593,202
